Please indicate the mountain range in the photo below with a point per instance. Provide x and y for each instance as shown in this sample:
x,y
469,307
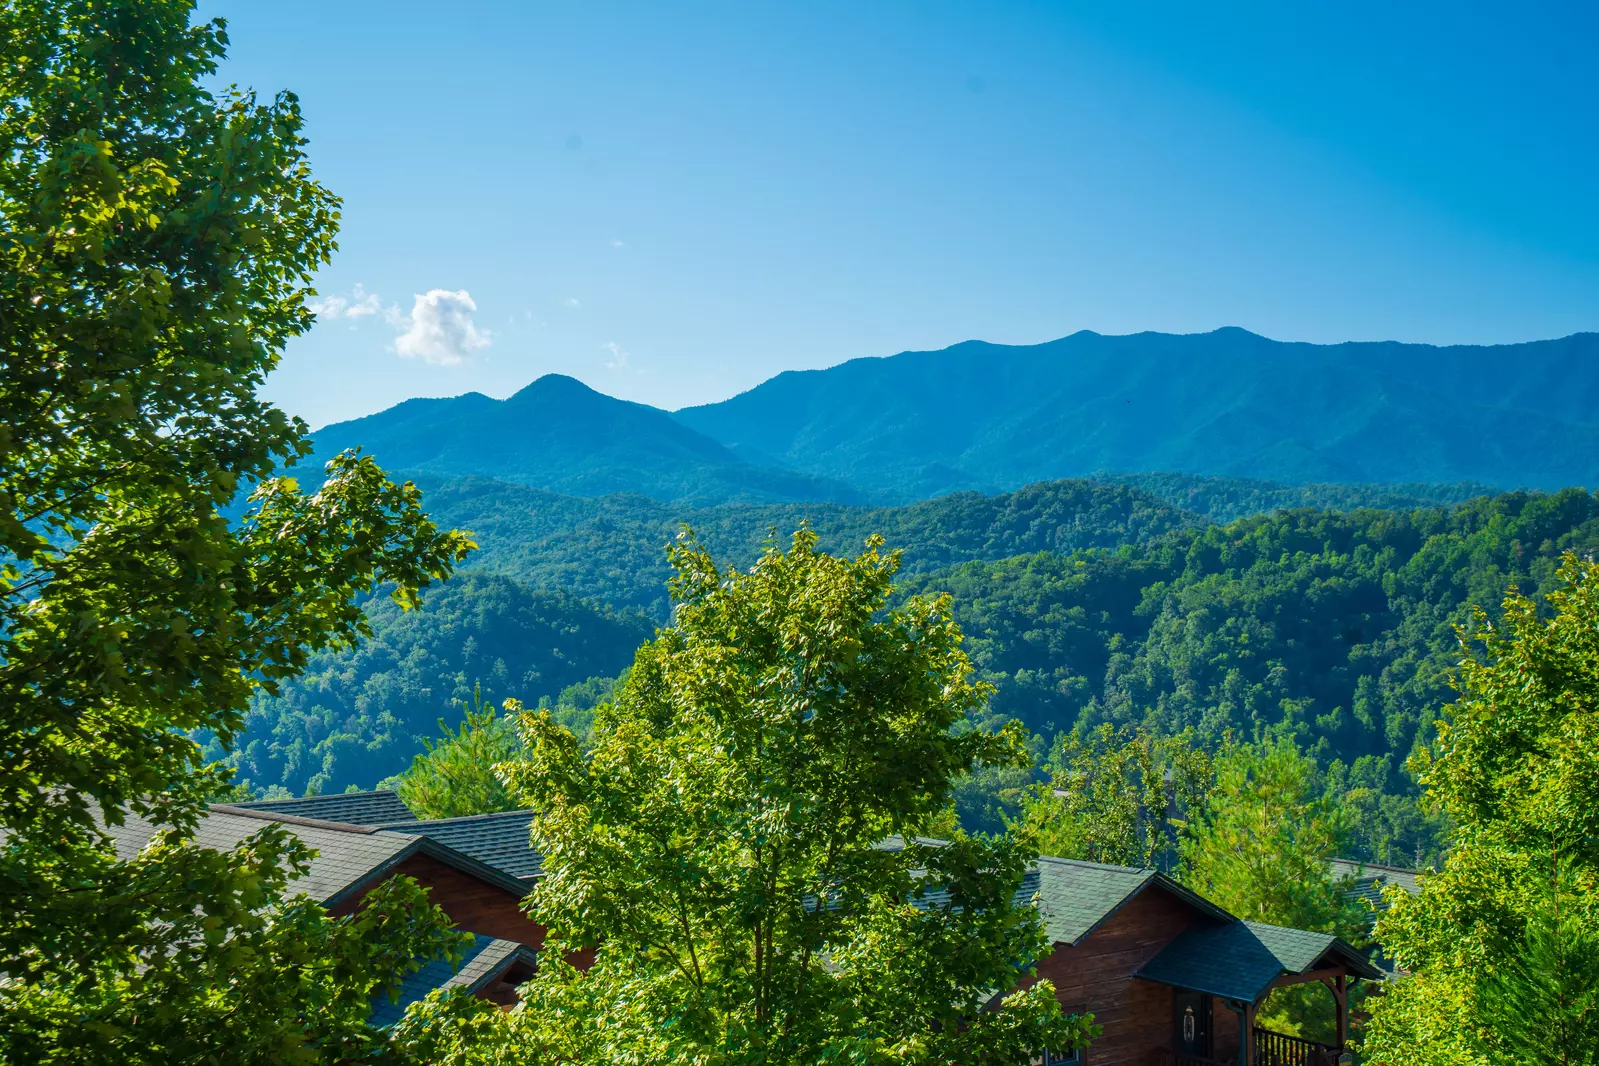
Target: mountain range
x,y
1172,589
994,417
558,434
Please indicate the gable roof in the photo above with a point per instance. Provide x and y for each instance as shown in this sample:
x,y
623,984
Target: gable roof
x,y
348,857
1076,897
344,860
382,807
485,959
500,840
1240,960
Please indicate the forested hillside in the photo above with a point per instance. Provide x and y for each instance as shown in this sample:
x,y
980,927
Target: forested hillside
x,y
993,416
1337,626
358,715
612,549
1084,602
1223,499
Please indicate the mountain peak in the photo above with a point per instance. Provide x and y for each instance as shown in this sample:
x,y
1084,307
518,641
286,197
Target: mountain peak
x,y
547,387
559,434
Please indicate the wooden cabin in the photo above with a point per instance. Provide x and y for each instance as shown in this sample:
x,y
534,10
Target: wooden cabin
x,y
1171,978
477,870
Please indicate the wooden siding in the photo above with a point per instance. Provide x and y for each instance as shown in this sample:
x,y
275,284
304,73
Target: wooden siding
x,y
474,906
1224,1032
1098,974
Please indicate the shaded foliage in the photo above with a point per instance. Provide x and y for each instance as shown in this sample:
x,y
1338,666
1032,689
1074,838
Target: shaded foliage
x,y
358,715
1334,628
1514,909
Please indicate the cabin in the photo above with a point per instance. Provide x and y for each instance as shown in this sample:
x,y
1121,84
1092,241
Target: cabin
x,y
1368,881
477,870
1172,979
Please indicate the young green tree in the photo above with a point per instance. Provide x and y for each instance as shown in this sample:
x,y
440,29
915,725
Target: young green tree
x,y
1542,1001
156,245
1118,796
721,849
1261,843
456,775
1510,921
1260,847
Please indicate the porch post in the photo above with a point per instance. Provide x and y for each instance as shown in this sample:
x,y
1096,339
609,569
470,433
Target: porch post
x,y
1241,1009
1341,994
1246,1039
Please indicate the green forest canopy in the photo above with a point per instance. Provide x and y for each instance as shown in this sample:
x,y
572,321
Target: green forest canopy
x,y
1082,603
610,548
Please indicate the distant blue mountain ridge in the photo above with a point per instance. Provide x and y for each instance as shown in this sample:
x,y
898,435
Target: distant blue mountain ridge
x,y
560,435
996,417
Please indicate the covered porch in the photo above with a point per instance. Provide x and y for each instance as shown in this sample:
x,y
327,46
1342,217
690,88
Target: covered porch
x,y
1220,977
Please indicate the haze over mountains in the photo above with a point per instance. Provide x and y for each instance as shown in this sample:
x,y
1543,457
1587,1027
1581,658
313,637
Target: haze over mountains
x,y
1273,536
559,434
993,418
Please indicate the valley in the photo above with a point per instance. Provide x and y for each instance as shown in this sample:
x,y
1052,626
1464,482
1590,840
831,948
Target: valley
x,y
1209,600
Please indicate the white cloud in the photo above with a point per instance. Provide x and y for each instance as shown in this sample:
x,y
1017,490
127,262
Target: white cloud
x,y
618,244
363,303
439,328
328,306
572,302
358,304
618,359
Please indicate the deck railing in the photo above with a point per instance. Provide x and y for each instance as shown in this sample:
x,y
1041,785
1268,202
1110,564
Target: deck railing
x,y
1280,1049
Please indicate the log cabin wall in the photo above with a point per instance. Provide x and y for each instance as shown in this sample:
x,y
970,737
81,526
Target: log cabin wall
x,y
1097,975
474,906
1224,1032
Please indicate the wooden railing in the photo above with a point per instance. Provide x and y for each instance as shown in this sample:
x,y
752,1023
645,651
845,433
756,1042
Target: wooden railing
x,y
1280,1049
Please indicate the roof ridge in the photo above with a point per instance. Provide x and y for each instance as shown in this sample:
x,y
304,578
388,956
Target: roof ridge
x,y
1380,866
294,819
1090,864
1287,928
327,796
457,819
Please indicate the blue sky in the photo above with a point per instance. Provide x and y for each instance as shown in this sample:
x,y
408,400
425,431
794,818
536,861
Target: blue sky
x,y
672,202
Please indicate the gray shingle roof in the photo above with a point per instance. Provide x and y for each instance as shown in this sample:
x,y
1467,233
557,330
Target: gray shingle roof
x,y
1076,896
1369,880
355,808
485,959
345,858
1240,960
498,840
